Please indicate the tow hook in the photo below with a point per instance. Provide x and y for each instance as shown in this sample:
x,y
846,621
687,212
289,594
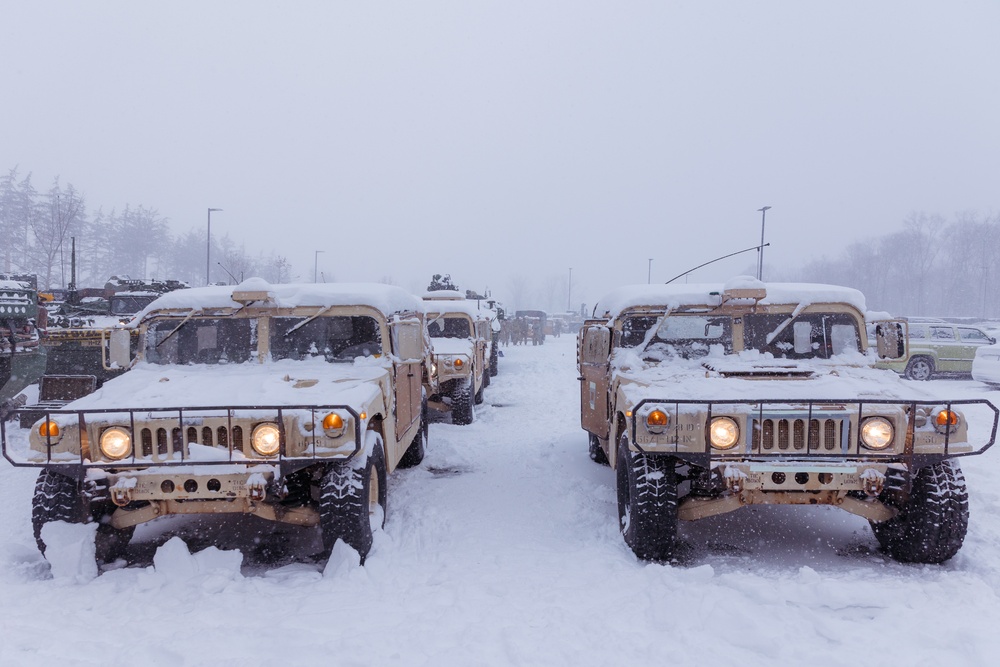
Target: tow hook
x,y
257,487
735,479
873,481
121,492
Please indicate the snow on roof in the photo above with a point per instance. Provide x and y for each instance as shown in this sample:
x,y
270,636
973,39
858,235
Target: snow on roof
x,y
385,298
676,296
13,285
471,308
443,295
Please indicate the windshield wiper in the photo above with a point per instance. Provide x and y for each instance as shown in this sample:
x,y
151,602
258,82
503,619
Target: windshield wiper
x,y
784,325
307,321
177,328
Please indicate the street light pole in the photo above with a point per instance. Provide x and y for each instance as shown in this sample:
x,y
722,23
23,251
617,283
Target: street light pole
x,y
208,247
316,265
760,253
649,272
569,291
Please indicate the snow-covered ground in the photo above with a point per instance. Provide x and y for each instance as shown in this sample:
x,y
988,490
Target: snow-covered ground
x,y
502,549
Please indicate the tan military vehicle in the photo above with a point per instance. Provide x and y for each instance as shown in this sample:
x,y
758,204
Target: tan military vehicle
x,y
461,335
289,402
709,398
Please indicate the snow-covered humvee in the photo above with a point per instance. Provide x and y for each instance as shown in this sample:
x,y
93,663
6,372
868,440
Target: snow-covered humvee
x,y
461,335
707,398
289,402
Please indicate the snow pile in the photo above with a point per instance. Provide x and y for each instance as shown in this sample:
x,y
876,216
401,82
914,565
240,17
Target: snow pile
x,y
70,550
175,562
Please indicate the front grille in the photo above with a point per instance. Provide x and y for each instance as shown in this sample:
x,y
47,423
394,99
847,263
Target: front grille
x,y
176,445
779,435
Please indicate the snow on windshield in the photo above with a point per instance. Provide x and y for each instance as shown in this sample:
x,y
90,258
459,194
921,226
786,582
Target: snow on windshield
x,y
687,336
234,340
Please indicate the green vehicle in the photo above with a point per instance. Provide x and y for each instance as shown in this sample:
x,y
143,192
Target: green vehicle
x,y
938,348
22,361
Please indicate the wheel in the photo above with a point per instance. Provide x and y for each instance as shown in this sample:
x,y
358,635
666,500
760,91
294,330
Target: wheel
x,y
486,378
352,499
461,405
479,394
919,368
414,454
932,522
597,454
647,502
58,498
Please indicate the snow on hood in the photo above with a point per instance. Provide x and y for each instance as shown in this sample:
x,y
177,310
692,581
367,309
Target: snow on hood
x,y
677,296
452,346
285,382
386,298
751,374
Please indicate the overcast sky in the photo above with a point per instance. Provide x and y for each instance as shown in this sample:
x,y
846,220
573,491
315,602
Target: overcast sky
x,y
496,139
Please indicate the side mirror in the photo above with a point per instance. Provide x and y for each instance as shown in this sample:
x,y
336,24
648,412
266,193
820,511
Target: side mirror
x,y
118,351
890,339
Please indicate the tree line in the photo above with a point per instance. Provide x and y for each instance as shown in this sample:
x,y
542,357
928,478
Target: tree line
x,y
932,267
38,230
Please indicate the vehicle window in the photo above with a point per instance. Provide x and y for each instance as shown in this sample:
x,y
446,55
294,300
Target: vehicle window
x,y
811,335
595,345
450,327
942,333
201,341
973,335
340,338
917,333
634,330
689,336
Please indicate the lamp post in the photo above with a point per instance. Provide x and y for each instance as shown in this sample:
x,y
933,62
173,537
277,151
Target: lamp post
x,y
649,272
208,247
760,253
569,291
316,265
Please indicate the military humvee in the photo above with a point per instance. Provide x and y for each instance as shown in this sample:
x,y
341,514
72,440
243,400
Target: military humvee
x,y
709,398
289,402
461,335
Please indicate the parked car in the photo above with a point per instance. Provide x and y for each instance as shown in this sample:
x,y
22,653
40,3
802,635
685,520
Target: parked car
x,y
986,365
938,348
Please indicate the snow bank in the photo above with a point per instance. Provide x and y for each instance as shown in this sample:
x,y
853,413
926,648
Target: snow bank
x,y
174,561
70,550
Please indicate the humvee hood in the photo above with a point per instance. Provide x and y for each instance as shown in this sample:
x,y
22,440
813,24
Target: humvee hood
x,y
733,377
452,346
279,383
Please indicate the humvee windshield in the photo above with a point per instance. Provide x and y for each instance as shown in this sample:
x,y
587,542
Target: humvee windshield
x,y
130,304
201,341
450,326
337,338
234,341
812,335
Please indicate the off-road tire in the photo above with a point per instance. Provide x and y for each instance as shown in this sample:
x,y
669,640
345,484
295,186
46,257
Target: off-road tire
x,y
479,394
414,454
346,509
461,405
647,502
597,454
486,379
57,498
919,368
932,523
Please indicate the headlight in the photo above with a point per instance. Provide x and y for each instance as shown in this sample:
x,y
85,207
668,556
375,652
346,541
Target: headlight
x,y
946,421
49,429
333,425
876,433
724,432
266,439
657,421
116,443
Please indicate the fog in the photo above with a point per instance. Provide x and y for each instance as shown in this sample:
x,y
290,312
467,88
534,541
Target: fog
x,y
507,143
